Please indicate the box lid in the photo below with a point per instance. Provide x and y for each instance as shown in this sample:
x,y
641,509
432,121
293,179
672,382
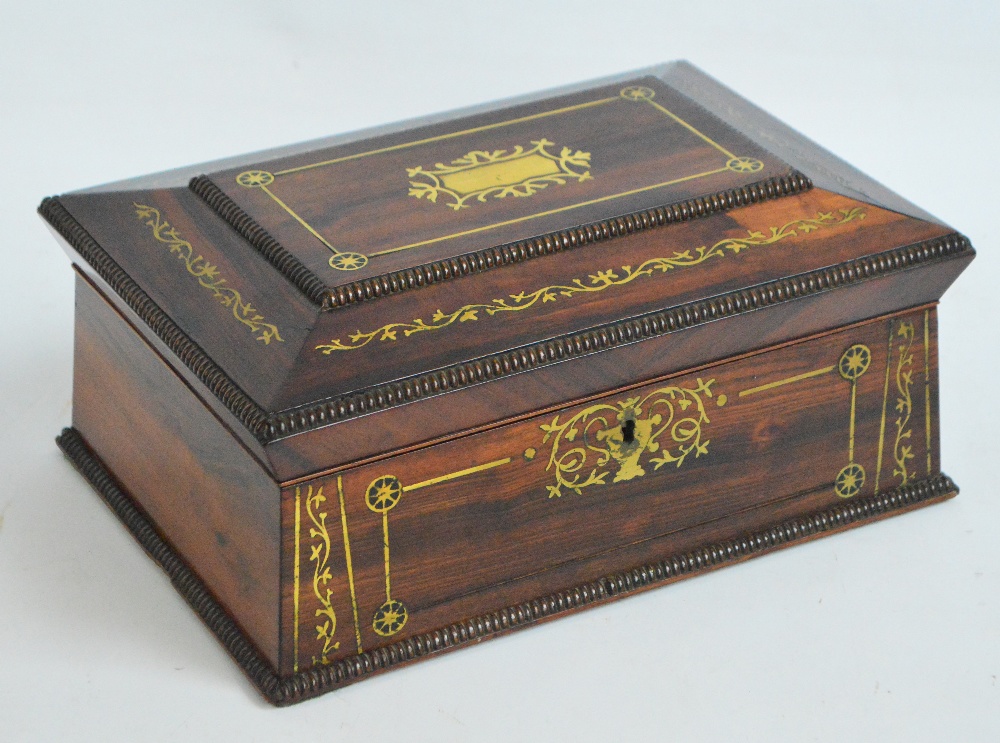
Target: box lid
x,y
320,282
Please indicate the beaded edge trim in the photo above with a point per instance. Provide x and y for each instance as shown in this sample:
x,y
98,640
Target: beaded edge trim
x,y
493,257
251,415
283,691
621,332
267,427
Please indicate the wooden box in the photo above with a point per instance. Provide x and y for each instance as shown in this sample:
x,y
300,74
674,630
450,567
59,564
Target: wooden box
x,y
380,396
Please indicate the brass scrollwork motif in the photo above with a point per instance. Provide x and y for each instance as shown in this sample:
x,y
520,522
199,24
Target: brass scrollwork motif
x,y
319,555
614,437
480,174
902,449
207,274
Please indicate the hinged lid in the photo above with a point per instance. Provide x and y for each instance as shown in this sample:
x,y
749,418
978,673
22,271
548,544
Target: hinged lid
x,y
306,286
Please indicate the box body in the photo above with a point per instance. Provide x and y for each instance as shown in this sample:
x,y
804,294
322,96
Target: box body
x,y
345,474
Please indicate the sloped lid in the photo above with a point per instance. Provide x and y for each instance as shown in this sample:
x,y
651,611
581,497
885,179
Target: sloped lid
x,y
304,277
351,212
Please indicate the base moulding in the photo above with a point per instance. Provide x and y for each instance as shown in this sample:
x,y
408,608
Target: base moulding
x,y
283,691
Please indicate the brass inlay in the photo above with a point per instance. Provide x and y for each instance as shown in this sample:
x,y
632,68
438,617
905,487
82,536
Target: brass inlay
x,y
788,380
550,211
319,555
642,93
623,432
853,363
475,178
885,404
341,260
597,282
295,596
381,496
480,174
207,274
449,135
533,174
350,565
454,475
927,384
902,448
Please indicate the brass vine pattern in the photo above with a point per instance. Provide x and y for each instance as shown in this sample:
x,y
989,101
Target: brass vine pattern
x,y
480,174
207,274
666,423
902,449
597,282
319,555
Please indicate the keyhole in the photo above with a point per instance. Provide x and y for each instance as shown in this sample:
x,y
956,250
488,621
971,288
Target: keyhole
x,y
628,432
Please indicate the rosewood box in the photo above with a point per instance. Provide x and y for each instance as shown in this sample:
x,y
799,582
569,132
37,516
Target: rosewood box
x,y
380,396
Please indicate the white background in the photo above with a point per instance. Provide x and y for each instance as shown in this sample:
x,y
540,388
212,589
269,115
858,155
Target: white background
x,y
890,632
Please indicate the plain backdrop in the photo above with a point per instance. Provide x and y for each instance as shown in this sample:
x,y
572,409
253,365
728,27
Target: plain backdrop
x,y
890,632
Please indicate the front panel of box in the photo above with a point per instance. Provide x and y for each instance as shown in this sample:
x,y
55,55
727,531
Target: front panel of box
x,y
415,542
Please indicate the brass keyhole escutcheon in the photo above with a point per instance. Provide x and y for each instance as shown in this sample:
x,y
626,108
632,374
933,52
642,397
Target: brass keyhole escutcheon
x,y
628,431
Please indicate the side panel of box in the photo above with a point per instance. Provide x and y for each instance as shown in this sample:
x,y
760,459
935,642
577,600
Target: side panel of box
x,y
208,497
411,544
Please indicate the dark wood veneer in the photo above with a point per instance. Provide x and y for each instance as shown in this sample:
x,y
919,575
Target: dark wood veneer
x,y
222,515
306,387
493,257
304,685
272,426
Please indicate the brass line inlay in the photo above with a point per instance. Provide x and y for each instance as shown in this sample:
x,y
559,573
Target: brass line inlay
x,y
350,565
382,495
885,404
207,274
927,384
295,598
694,131
455,475
854,405
788,380
597,282
853,363
352,260
450,135
385,543
551,211
299,219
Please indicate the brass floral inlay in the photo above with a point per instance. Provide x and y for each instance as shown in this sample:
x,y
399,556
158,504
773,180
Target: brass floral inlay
x,y
598,282
615,436
319,556
207,274
902,449
498,174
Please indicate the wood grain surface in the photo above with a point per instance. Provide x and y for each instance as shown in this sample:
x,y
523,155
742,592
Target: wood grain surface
x,y
375,398
208,497
496,518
